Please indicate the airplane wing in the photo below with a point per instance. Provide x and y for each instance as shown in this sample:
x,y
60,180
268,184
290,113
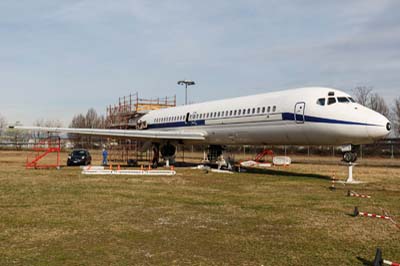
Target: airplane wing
x,y
123,133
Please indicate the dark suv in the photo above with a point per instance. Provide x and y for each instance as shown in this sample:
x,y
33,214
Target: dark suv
x,y
79,157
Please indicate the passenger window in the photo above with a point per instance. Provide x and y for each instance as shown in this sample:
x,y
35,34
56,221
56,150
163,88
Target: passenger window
x,y
343,100
331,100
248,111
235,112
244,111
215,114
240,111
274,108
321,101
230,113
263,110
254,111
269,109
258,110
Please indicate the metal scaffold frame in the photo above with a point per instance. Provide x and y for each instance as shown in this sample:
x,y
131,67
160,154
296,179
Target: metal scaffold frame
x,y
125,115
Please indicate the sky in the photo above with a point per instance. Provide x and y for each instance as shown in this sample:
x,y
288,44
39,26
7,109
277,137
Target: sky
x,y
60,58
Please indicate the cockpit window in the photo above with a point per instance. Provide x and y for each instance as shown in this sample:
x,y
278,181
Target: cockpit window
x,y
351,100
321,101
331,100
343,100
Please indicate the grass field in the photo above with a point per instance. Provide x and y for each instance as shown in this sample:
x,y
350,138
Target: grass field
x,y
286,216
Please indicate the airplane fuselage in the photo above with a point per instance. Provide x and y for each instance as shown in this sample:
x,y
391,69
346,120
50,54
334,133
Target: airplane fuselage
x,y
305,116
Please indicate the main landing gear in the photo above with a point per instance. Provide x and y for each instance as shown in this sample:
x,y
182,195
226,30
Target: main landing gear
x,y
167,152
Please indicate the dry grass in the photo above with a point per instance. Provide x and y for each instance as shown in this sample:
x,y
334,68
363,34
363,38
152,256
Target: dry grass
x,y
284,217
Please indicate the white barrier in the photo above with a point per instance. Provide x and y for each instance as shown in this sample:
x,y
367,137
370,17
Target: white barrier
x,y
101,171
281,160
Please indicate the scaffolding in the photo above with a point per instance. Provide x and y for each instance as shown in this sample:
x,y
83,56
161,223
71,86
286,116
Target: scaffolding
x,y
129,109
124,115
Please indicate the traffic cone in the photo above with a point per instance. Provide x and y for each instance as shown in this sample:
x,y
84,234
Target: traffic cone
x,y
332,187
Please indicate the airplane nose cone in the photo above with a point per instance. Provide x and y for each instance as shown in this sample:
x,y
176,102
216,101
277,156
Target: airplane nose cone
x,y
380,129
388,126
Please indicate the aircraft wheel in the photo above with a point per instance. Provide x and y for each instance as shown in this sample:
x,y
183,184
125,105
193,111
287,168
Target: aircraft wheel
x,y
350,157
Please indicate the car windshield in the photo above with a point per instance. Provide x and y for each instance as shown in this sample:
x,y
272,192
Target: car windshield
x,y
78,153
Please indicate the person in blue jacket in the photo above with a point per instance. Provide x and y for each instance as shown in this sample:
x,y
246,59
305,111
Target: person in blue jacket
x,y
105,155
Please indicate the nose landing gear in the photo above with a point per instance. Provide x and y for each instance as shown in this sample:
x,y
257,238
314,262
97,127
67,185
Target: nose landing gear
x,y
350,157
350,153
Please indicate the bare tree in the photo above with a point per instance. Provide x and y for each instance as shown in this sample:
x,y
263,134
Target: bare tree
x,y
396,115
362,94
78,121
90,120
3,124
378,104
45,123
365,96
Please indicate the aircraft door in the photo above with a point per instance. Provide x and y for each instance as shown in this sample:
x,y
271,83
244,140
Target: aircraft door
x,y
187,118
299,109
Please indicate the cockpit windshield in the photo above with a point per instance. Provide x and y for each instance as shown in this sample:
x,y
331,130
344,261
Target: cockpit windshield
x,y
343,100
331,100
351,100
321,101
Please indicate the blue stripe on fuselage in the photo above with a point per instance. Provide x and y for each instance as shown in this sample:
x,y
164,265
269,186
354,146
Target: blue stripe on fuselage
x,y
178,124
314,119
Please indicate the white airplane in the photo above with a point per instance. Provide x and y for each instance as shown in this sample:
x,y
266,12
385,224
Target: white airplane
x,y
304,116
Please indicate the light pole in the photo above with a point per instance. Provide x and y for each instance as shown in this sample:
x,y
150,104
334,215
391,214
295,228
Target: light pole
x,y
186,83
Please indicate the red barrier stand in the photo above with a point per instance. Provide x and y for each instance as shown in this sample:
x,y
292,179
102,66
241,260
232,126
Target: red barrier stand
x,y
358,213
354,194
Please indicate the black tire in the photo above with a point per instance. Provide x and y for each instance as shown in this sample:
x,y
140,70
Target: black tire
x,y
349,157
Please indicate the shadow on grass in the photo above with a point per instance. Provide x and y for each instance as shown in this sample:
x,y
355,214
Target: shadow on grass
x,y
274,172
364,261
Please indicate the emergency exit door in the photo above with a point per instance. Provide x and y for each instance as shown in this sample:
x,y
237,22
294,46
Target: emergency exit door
x,y
299,109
